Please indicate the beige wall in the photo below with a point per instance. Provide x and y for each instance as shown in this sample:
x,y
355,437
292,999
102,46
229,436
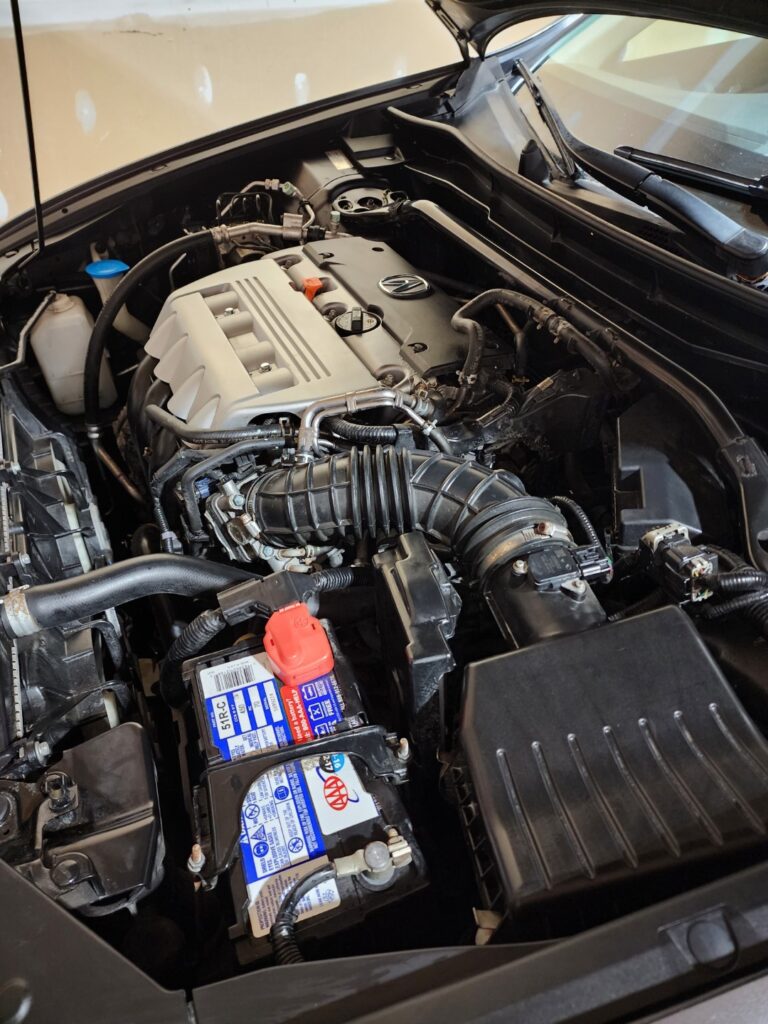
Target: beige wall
x,y
111,91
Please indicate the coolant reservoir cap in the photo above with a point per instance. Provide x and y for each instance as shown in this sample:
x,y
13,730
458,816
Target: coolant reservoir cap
x,y
106,268
297,645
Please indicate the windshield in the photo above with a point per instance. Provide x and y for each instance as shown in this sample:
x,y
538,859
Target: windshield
x,y
121,80
687,91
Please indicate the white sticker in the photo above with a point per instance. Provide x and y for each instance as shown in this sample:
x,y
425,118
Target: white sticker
x,y
287,814
233,675
337,793
267,894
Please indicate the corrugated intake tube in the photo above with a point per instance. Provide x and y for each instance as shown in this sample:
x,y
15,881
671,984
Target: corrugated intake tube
x,y
480,514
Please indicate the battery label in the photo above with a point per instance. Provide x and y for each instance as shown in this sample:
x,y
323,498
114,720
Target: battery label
x,y
248,712
288,814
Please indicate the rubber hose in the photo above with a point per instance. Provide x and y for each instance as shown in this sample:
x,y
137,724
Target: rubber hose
x,y
579,514
144,269
283,931
137,392
250,446
381,491
198,435
362,433
503,388
82,597
111,640
170,469
463,320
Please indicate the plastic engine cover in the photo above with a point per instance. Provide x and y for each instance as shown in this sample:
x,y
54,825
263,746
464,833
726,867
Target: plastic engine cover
x,y
606,755
259,338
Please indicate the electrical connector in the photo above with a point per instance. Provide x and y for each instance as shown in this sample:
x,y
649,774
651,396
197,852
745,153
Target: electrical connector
x,y
681,567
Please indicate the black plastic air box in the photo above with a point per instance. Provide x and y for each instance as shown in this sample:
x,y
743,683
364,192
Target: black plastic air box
x,y
605,756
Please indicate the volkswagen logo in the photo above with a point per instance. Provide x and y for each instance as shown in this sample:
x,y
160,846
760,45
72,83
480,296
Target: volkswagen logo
x,y
405,286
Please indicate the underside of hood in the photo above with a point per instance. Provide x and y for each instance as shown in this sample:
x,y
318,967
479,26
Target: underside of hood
x,y
477,21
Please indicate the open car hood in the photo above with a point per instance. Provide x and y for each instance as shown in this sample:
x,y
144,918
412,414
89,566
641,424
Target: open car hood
x,y
477,21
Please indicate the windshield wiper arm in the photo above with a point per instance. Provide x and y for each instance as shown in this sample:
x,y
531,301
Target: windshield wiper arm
x,y
745,250
550,120
749,188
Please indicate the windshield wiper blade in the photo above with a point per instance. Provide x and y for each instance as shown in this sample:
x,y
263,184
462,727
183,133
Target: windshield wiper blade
x,y
745,250
749,188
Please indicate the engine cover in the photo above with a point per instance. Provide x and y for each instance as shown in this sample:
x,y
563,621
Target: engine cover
x,y
256,339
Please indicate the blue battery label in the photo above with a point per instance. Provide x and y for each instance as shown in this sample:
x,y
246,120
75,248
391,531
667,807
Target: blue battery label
x,y
288,815
249,712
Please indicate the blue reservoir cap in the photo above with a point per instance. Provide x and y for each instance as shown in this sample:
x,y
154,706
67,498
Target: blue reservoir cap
x,y
106,268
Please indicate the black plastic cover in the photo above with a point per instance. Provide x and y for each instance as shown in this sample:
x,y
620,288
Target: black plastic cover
x,y
606,755
661,474
417,610
100,840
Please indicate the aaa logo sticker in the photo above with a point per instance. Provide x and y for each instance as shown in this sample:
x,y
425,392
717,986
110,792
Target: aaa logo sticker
x,y
336,793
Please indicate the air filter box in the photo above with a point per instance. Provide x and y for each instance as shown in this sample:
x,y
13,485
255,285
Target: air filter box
x,y
603,757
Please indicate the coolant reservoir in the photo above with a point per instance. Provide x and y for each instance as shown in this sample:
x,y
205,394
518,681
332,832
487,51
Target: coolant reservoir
x,y
60,342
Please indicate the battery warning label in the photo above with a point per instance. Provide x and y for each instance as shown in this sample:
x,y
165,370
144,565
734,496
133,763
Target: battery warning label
x,y
249,712
288,814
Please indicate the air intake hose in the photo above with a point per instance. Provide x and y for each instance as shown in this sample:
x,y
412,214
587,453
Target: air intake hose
x,y
485,517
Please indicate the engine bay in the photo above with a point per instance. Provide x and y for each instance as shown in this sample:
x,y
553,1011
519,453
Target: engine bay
x,y
360,597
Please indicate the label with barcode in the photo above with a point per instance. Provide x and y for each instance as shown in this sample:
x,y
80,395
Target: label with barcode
x,y
249,711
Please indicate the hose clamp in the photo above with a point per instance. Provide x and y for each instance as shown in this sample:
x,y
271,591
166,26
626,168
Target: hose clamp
x,y
17,618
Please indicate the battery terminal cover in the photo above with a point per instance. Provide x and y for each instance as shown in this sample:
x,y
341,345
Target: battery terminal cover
x,y
297,645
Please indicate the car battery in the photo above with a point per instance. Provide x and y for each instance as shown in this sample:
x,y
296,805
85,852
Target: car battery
x,y
303,811
244,705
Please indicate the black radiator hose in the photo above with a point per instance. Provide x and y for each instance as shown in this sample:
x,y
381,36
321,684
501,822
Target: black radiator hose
x,y
25,612
485,517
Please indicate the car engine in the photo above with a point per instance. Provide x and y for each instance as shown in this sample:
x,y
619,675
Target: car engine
x,y
352,576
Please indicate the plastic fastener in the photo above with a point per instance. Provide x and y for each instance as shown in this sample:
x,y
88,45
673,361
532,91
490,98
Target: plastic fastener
x,y
297,645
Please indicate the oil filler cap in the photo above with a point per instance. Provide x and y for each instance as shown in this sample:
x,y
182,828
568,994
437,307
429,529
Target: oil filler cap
x,y
297,645
356,321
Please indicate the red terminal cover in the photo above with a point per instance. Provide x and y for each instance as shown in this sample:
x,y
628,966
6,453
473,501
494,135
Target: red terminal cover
x,y
297,645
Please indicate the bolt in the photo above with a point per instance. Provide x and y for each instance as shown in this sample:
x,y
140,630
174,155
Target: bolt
x,y
66,873
230,311
265,367
519,567
579,586
403,752
335,218
57,789
42,750
196,861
